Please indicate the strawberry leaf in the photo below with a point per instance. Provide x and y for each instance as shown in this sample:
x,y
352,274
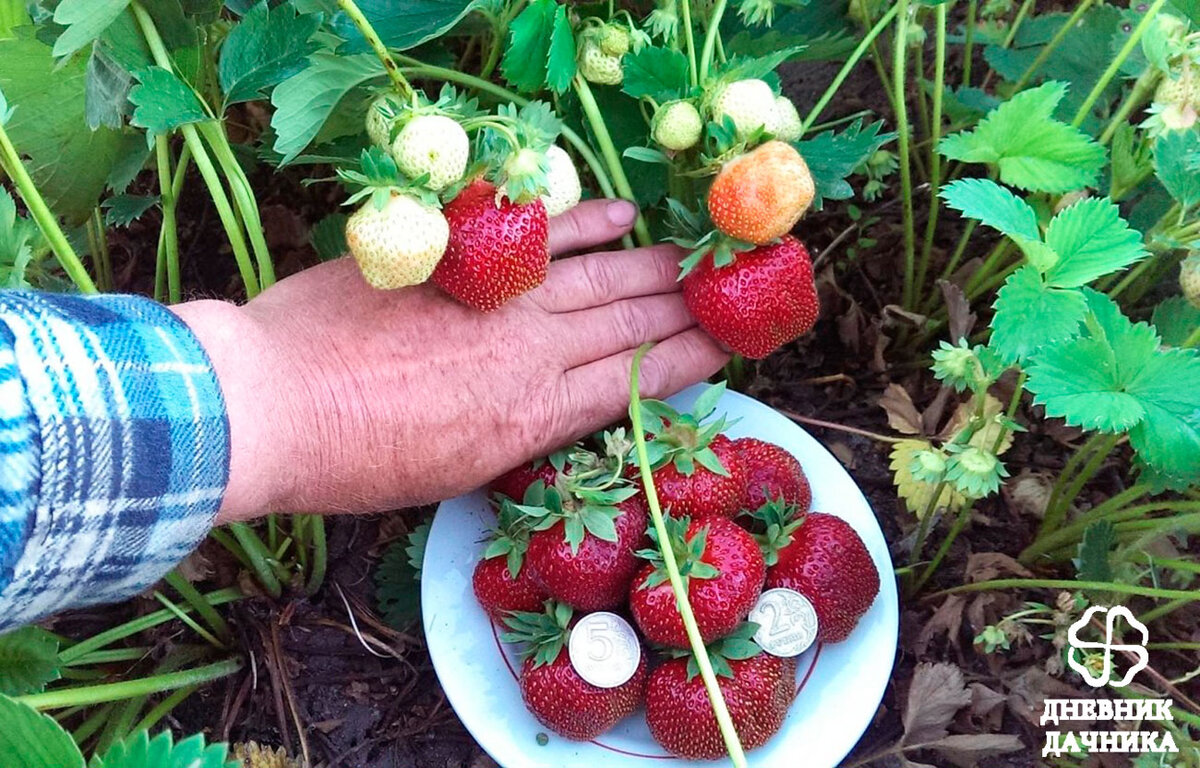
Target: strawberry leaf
x,y
85,20
1003,211
1090,240
560,63
1176,319
164,102
141,751
1078,381
1092,563
531,35
833,157
656,73
30,739
1172,151
1030,315
305,101
265,48
1028,146
28,660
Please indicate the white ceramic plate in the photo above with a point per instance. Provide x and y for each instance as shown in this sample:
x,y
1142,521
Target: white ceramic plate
x,y
839,685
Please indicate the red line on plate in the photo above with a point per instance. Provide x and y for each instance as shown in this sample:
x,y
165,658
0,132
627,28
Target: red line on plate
x,y
503,655
811,667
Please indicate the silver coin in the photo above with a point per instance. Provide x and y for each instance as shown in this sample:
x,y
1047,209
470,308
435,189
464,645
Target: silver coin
x,y
604,649
787,622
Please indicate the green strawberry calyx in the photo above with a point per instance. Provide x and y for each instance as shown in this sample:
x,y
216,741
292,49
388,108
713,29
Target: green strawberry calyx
x,y
737,645
683,438
510,536
512,146
378,178
780,521
688,552
694,231
543,635
584,508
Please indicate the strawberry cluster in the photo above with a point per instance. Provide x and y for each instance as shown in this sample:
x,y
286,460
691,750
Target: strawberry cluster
x,y
470,214
572,536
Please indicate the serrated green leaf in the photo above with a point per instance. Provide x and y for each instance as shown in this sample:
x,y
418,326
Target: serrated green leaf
x,y
832,157
401,25
527,57
1172,151
1029,315
305,101
755,67
107,90
397,590
1176,320
122,210
657,73
163,102
328,237
1132,160
1078,381
560,64
28,660
141,751
1091,240
69,162
85,20
1168,438
1092,563
1029,147
1001,210
266,47
30,739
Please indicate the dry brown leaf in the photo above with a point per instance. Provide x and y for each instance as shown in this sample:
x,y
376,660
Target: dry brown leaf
x,y
1028,493
987,706
1027,694
985,566
902,414
967,749
936,695
958,309
947,620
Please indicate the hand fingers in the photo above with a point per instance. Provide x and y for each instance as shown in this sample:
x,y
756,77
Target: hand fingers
x,y
591,223
596,333
598,393
602,278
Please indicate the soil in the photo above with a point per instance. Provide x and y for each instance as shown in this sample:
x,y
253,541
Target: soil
x,y
381,707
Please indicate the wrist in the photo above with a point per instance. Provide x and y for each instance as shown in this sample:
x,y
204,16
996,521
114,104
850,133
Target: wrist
x,y
242,360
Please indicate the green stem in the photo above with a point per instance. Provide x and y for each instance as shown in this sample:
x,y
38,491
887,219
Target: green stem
x,y
1102,586
1044,55
163,708
710,37
1143,89
1156,613
368,32
724,722
612,158
1060,498
140,624
98,694
969,43
1022,12
685,21
92,724
10,163
193,597
900,58
191,623
259,557
114,656
320,555
864,45
243,198
169,236
1193,340
1072,533
923,527
1115,65
98,243
935,157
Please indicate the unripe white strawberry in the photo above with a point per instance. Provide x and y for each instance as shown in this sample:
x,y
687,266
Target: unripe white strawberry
x,y
1189,278
432,144
787,125
379,127
676,125
613,40
598,67
749,103
563,189
398,245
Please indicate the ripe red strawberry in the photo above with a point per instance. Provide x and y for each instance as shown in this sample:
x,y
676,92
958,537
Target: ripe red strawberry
x,y
517,480
501,580
723,570
696,469
554,692
762,300
582,551
757,690
498,249
821,557
759,196
772,473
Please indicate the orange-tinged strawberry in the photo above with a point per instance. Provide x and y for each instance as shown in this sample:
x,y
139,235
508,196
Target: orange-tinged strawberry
x,y
759,196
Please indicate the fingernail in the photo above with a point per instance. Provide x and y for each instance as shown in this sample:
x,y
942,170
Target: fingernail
x,y
622,212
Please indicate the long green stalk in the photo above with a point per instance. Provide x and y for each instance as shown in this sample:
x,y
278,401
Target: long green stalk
x,y
170,233
969,43
685,21
368,32
140,624
259,558
1013,28
113,656
1071,534
1100,586
243,197
320,554
935,157
10,163
92,724
1049,48
711,35
163,708
193,597
1142,91
97,694
1115,65
728,732
899,61
612,158
864,45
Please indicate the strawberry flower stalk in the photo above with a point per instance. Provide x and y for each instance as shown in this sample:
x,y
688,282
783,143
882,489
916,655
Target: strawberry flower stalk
x,y
729,733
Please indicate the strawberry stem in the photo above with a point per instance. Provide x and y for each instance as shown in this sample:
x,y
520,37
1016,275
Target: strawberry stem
x,y
732,743
710,39
372,37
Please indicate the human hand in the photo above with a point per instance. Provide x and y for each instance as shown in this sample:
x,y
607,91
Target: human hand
x,y
342,398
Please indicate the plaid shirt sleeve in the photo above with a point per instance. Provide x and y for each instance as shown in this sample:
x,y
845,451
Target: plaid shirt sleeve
x,y
114,449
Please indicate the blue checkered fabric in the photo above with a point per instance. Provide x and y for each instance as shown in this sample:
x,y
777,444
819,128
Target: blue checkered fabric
x,y
114,449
